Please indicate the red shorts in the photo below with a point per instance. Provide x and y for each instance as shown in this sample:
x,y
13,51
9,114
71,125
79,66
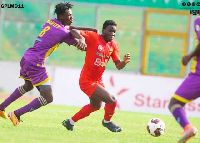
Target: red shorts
x,y
88,86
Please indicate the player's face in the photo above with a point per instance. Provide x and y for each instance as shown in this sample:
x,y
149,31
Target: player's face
x,y
109,33
67,17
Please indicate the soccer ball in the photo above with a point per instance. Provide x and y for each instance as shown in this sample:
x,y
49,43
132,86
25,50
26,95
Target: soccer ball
x,y
156,127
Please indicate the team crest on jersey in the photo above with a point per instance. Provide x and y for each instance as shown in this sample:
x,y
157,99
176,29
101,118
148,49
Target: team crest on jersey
x,y
111,50
100,48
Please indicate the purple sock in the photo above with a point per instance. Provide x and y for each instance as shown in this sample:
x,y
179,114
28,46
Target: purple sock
x,y
180,116
35,104
15,95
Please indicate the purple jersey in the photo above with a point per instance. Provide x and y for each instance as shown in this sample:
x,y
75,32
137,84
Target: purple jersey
x,y
195,67
189,90
52,35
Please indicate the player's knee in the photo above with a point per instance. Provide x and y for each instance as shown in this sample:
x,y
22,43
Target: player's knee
x,y
27,87
96,105
111,99
174,106
92,109
170,105
46,92
42,88
174,103
49,99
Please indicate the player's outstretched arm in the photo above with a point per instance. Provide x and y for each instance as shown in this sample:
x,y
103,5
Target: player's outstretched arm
x,y
187,58
121,64
81,45
84,28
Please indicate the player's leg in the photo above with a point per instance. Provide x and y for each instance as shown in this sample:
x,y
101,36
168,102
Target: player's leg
x,y
19,91
40,79
87,109
187,92
101,94
88,88
84,112
45,98
14,96
176,108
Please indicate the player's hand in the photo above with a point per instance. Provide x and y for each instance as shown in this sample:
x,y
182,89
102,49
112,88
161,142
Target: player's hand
x,y
81,45
127,58
186,59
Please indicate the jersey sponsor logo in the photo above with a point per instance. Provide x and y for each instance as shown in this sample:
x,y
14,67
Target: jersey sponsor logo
x,y
111,50
98,62
99,54
100,48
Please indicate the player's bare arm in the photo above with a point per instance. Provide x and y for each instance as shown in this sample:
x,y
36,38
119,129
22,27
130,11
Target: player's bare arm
x,y
84,28
187,58
121,64
81,45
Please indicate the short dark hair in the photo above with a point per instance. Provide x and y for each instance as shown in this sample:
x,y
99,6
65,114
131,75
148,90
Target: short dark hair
x,y
109,22
61,7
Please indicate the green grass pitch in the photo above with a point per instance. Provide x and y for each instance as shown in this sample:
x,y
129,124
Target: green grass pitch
x,y
44,126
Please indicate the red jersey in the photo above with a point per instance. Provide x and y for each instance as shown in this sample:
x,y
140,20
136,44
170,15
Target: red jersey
x,y
97,55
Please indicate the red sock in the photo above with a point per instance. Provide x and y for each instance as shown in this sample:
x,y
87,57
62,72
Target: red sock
x,y
84,112
109,110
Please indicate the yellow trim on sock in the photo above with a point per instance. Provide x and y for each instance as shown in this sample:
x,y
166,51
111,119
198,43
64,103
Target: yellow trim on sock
x,y
44,101
40,101
174,107
47,79
181,99
22,90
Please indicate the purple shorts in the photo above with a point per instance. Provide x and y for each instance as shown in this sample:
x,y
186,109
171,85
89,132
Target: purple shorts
x,y
36,74
189,90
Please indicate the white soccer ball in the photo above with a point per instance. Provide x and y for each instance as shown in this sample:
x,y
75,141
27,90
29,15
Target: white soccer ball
x,y
156,127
